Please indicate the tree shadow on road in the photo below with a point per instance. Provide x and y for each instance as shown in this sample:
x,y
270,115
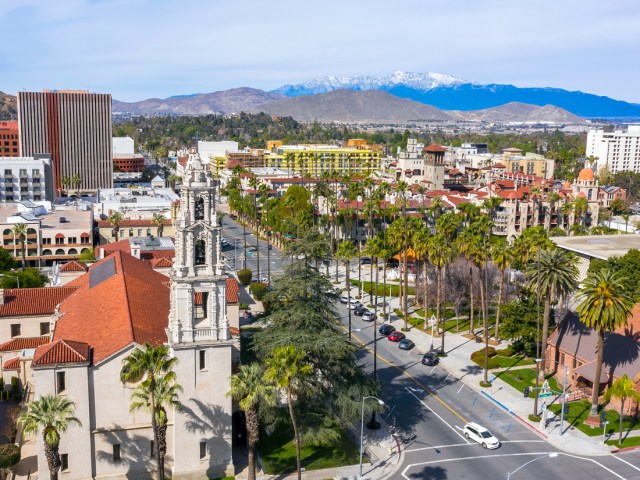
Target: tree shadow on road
x,y
430,473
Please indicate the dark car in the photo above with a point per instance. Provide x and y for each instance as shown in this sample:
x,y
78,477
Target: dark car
x,y
406,344
396,336
359,310
430,359
365,261
386,329
393,263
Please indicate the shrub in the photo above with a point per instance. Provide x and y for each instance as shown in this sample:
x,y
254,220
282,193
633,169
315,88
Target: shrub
x,y
534,418
9,455
243,306
244,276
258,290
478,356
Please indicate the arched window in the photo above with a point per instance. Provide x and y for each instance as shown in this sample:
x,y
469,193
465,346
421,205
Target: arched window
x,y
199,208
200,253
60,251
7,232
31,231
46,252
73,251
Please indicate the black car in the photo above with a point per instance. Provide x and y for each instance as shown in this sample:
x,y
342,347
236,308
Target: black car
x,y
406,344
386,329
365,261
431,359
359,310
393,263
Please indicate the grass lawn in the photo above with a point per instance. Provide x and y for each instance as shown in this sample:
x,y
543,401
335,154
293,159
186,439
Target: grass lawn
x,y
393,290
279,453
626,442
579,411
502,359
525,377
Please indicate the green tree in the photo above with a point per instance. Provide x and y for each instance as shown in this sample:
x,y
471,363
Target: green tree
x,y
114,220
440,254
19,231
53,415
65,182
248,389
622,389
606,305
76,181
7,262
501,256
152,365
159,221
346,251
286,368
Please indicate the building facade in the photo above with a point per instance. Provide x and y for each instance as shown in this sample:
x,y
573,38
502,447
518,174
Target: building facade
x,y
25,178
616,151
9,139
74,127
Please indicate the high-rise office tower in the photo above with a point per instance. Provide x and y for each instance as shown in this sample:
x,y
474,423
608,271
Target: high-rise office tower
x,y
74,127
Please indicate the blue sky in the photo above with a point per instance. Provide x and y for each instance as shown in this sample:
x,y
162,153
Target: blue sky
x,y
137,49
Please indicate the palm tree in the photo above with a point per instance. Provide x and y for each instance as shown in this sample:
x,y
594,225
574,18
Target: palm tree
x,y
286,369
556,271
606,305
76,180
19,231
158,221
501,255
346,251
165,395
399,235
248,389
440,253
580,206
255,183
421,245
54,415
622,389
114,220
153,365
65,182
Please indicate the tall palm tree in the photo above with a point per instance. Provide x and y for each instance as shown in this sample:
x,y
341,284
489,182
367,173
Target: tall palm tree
x,y
254,183
399,235
19,231
248,389
622,389
286,369
440,253
151,365
114,220
159,220
606,305
402,190
580,206
54,415
556,270
501,255
264,192
346,251
76,181
421,245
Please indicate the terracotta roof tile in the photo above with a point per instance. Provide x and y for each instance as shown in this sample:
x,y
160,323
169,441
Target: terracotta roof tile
x,y
162,262
232,290
73,266
12,364
23,342
62,351
433,148
33,301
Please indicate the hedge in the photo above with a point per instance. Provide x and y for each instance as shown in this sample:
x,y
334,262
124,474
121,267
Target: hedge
x,y
244,276
258,290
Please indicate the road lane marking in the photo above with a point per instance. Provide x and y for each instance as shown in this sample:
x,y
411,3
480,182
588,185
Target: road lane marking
x,y
631,465
529,454
441,419
424,387
440,447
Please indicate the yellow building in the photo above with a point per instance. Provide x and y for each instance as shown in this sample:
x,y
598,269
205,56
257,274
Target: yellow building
x,y
529,163
313,160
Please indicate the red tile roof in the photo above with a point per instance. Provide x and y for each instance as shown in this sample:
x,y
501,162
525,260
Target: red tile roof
x,y
12,364
232,290
499,165
22,343
73,266
33,301
62,351
433,148
162,262
132,306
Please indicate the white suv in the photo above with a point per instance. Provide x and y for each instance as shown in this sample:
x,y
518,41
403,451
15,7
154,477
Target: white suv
x,y
481,435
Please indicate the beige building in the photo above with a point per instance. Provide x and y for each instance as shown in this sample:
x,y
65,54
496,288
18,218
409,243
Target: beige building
x,y
529,163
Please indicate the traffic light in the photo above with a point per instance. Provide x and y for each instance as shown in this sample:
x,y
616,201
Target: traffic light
x,y
526,392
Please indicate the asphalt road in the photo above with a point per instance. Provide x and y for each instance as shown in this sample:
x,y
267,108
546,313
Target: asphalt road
x,y
428,408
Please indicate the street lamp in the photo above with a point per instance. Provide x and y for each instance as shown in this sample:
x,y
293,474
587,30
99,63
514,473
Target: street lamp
x,y
362,426
11,276
550,455
604,435
432,322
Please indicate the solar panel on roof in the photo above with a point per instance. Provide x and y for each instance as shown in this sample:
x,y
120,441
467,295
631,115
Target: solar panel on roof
x,y
102,272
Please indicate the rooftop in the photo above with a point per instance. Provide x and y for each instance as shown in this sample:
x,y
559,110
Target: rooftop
x,y
33,301
599,246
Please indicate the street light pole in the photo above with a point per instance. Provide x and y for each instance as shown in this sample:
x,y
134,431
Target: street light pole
x,y
362,427
432,321
550,455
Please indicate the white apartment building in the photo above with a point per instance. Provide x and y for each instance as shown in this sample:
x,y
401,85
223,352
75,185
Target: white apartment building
x,y
25,178
616,151
210,150
135,203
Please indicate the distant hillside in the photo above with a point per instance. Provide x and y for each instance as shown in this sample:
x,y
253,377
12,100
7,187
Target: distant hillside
x,y
228,101
351,106
519,112
8,107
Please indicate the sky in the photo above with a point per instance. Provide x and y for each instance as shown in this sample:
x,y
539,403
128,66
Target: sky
x,y
138,49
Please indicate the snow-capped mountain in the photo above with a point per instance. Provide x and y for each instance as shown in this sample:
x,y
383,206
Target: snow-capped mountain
x,y
417,81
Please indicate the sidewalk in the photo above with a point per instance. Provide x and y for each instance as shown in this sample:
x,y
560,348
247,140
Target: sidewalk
x,y
458,363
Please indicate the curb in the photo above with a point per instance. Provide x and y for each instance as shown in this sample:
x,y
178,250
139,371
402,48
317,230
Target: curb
x,y
626,449
515,415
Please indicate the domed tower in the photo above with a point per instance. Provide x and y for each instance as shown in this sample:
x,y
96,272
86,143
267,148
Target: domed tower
x,y
587,184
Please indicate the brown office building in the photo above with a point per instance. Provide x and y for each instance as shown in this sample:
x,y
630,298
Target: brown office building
x,y
9,139
74,127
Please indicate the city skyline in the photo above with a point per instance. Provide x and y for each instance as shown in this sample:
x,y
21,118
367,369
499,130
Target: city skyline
x,y
143,49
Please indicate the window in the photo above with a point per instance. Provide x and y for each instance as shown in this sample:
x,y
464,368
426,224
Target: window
x,y
15,330
200,253
59,240
199,208
203,449
116,452
46,241
61,382
64,462
131,232
72,240
202,359
8,172
139,232
44,328
84,239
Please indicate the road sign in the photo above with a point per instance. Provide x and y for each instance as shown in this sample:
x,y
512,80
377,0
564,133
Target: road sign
x,y
545,394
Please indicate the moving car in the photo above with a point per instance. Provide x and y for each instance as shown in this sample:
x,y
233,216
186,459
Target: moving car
x,y
386,329
359,310
368,316
396,336
224,242
406,344
481,435
431,359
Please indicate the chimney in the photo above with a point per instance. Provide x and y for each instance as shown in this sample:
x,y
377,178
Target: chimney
x,y
1,296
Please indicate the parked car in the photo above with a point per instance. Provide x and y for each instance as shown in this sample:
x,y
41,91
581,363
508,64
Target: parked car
x,y
359,310
406,344
365,261
344,299
431,359
368,316
354,303
386,329
396,336
481,435
393,263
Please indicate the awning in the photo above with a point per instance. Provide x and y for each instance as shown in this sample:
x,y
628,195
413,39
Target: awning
x,y
411,256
